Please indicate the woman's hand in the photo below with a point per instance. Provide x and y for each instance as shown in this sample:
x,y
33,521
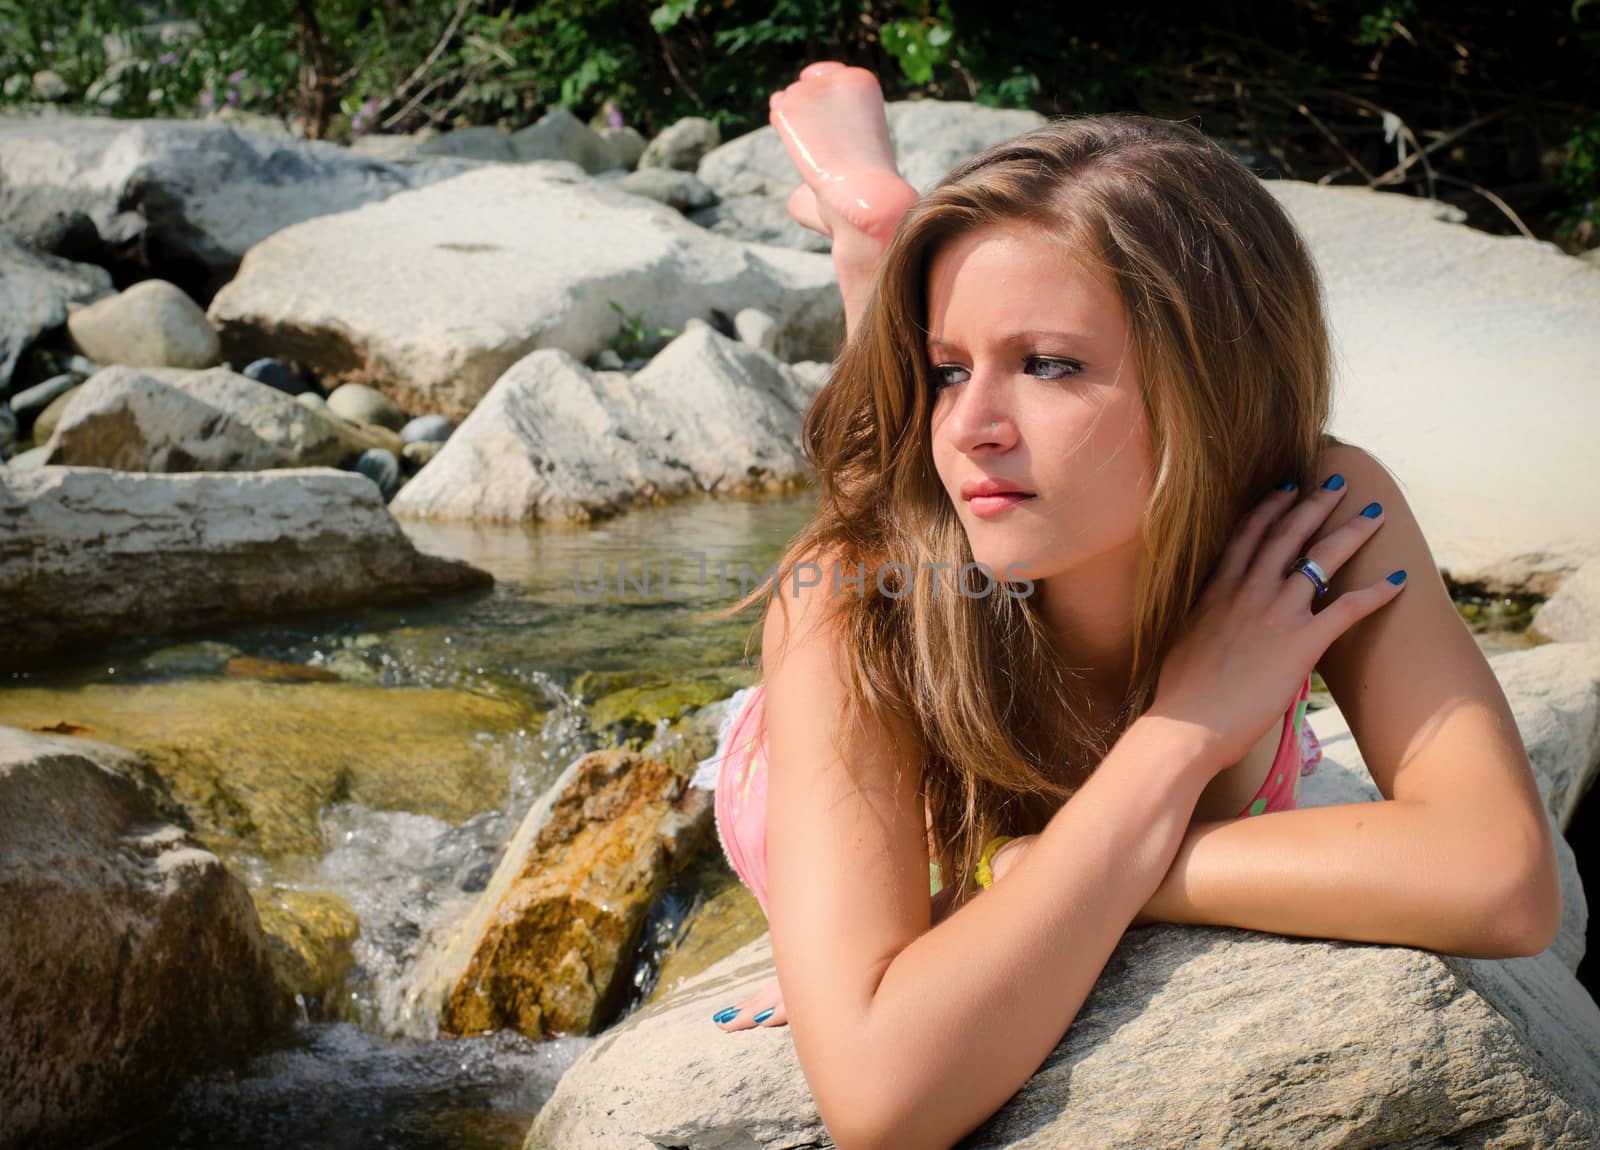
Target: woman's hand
x,y
1252,636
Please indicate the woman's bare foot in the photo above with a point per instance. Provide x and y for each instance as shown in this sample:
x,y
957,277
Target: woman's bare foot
x,y
832,123
748,1014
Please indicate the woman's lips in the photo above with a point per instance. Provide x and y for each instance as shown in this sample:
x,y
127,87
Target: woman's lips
x,y
986,505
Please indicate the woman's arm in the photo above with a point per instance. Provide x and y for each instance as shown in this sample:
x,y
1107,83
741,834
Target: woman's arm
x,y
1460,859
876,995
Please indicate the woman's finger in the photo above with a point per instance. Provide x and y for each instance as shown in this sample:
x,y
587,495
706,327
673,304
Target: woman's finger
x,y
1247,537
1331,553
1353,606
1286,541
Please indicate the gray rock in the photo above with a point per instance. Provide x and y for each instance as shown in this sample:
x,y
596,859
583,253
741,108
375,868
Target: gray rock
x,y
88,554
135,958
682,145
8,432
1166,1052
554,440
759,220
757,328
754,175
626,145
151,324
276,374
148,419
1554,691
382,468
35,290
1572,614
432,295
196,192
313,400
68,234
479,142
680,190
49,86
426,429
559,135
25,460
367,404
1428,318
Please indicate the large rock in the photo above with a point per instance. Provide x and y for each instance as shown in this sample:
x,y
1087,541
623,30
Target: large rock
x,y
754,175
554,440
548,948
430,296
148,419
1422,1048
87,554
1429,320
254,763
133,958
188,194
35,290
1572,614
152,324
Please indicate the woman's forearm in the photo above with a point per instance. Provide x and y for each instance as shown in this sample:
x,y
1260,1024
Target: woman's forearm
x,y
1008,972
1396,872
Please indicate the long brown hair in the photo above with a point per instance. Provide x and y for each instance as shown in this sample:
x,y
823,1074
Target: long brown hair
x,y
1225,315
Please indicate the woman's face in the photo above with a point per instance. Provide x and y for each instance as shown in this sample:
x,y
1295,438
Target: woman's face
x,y
1035,385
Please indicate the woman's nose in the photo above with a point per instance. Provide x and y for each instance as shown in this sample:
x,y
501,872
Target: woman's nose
x,y
980,418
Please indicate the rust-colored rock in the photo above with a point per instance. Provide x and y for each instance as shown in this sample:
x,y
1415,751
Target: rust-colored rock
x,y
555,955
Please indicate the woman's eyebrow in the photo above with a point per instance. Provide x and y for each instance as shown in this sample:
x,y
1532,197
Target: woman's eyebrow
x,y
1019,337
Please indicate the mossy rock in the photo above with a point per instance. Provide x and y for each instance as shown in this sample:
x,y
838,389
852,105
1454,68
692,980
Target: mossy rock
x,y
253,764
309,938
628,716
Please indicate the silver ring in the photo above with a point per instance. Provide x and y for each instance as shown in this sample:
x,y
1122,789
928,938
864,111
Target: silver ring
x,y
1312,571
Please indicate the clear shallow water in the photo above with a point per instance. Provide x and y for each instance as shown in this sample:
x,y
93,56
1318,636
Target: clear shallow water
x,y
381,1081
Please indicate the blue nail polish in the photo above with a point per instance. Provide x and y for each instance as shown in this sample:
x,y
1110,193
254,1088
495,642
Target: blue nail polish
x,y
1398,578
727,1015
764,1015
1334,483
1372,510
1289,486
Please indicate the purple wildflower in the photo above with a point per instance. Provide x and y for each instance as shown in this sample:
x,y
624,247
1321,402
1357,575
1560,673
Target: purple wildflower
x,y
236,77
233,97
167,58
208,99
614,116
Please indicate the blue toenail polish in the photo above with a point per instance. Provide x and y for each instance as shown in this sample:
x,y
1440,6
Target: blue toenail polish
x,y
727,1015
764,1015
1398,578
1334,483
1289,486
1372,510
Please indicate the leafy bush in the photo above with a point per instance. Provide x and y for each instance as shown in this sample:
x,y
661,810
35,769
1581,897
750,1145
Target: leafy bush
x,y
1311,88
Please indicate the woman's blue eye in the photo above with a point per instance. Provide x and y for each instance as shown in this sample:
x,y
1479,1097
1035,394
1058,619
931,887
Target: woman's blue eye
x,y
1056,368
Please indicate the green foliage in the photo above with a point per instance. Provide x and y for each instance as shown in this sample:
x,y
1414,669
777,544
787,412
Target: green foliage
x,y
1287,78
1580,179
634,339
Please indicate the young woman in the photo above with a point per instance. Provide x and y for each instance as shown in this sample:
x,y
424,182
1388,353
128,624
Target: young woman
x,y
1072,698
